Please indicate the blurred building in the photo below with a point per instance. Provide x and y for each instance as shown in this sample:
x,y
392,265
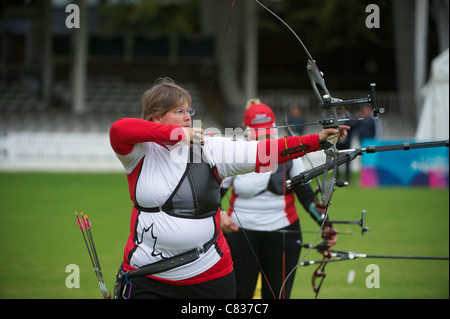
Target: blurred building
x,y
56,79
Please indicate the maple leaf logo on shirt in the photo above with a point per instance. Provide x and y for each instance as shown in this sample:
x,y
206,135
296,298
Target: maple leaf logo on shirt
x,y
149,230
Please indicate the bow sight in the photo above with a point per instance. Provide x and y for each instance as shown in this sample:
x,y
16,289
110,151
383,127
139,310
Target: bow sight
x,y
327,102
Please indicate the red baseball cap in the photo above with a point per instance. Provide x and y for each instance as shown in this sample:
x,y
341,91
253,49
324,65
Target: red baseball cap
x,y
259,116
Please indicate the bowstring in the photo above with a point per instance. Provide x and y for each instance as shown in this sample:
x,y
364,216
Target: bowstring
x,y
251,248
290,29
201,126
216,67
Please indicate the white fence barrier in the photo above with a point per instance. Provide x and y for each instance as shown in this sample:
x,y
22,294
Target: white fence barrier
x,y
37,151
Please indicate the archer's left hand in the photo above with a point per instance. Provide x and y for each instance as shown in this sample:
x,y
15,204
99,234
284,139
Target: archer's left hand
x,y
329,234
329,133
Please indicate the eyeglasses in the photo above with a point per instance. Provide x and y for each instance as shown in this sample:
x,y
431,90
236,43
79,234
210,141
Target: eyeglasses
x,y
182,112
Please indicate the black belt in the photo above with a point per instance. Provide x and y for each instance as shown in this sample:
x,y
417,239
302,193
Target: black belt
x,y
157,209
169,209
173,262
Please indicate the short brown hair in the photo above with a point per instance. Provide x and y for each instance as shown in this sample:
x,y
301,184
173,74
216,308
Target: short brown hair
x,y
163,96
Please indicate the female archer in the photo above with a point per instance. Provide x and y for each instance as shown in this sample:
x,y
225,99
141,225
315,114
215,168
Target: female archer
x,y
176,248
264,217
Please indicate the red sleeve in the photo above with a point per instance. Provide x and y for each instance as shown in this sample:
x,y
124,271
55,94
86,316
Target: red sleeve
x,y
269,151
128,131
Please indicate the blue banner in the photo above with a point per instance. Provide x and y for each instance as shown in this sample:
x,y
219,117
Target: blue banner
x,y
423,167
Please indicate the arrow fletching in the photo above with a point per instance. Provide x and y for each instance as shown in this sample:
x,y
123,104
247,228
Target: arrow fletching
x,y
85,226
79,222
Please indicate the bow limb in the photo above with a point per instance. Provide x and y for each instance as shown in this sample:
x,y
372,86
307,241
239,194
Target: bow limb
x,y
319,87
324,249
320,273
325,99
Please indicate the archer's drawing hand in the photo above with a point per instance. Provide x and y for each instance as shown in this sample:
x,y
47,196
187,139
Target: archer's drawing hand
x,y
195,134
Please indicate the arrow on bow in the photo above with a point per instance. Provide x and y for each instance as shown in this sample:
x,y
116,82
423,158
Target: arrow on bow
x,y
340,255
332,255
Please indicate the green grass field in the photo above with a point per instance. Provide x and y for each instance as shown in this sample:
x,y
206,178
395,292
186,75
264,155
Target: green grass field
x,y
40,237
